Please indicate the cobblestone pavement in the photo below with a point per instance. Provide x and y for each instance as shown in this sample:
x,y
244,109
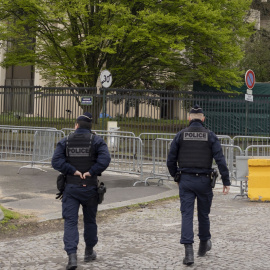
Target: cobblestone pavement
x,y
149,239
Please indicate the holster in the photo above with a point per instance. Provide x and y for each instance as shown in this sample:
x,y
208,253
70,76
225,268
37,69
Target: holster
x,y
61,182
214,175
101,191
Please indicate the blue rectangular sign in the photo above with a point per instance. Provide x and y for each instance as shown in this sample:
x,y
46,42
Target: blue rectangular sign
x,y
87,100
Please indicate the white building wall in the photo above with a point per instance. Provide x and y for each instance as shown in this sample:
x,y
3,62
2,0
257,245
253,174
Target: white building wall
x,y
38,79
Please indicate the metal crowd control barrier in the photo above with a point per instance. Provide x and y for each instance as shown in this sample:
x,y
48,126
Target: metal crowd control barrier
x,y
155,152
145,155
161,148
67,130
112,140
225,139
126,157
117,132
99,132
160,152
44,145
230,152
244,141
27,145
148,141
257,150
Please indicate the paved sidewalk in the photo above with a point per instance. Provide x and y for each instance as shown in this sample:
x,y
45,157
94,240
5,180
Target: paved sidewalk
x,y
149,239
33,191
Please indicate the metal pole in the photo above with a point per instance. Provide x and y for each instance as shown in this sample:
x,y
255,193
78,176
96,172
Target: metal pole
x,y
103,108
246,118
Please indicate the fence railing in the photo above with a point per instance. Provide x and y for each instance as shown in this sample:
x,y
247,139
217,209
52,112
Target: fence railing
x,y
137,111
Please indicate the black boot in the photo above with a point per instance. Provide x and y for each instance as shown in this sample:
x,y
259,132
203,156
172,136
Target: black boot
x,y
72,261
204,247
89,254
189,255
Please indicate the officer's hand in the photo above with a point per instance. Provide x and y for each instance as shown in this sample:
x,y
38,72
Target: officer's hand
x,y
59,196
86,174
226,190
79,174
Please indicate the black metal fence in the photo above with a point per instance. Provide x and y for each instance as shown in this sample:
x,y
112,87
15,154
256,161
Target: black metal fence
x,y
134,110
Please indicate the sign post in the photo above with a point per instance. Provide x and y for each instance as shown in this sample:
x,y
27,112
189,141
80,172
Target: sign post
x,y
250,82
106,81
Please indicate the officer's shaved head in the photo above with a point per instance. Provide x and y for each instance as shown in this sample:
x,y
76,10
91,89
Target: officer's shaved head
x,y
199,116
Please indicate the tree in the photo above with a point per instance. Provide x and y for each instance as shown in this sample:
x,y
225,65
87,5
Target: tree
x,y
257,55
143,43
257,48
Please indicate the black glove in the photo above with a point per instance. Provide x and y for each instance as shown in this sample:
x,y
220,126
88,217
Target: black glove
x,y
177,177
59,196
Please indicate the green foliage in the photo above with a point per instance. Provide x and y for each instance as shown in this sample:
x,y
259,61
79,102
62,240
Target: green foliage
x,y
257,55
143,43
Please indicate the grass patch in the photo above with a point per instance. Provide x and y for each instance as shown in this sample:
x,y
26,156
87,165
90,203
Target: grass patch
x,y
15,224
8,215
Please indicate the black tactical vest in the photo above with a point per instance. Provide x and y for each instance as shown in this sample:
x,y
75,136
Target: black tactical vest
x,y
195,151
80,154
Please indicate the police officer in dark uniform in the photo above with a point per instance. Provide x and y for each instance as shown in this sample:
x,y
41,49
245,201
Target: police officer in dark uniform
x,y
190,163
81,156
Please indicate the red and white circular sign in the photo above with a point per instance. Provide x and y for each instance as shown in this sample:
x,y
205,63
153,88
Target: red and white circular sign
x,y
250,79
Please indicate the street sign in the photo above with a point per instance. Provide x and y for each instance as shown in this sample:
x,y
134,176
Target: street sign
x,y
249,97
87,100
250,79
106,78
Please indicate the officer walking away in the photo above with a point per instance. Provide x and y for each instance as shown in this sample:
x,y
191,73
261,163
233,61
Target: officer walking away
x,y
190,162
81,157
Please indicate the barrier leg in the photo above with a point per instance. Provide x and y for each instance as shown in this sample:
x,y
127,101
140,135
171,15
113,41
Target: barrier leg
x,y
31,166
160,181
242,190
141,181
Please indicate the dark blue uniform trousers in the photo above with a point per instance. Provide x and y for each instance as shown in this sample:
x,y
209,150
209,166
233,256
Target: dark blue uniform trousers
x,y
190,188
73,197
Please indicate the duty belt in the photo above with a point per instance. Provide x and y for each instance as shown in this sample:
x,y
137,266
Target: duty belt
x,y
81,182
198,174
